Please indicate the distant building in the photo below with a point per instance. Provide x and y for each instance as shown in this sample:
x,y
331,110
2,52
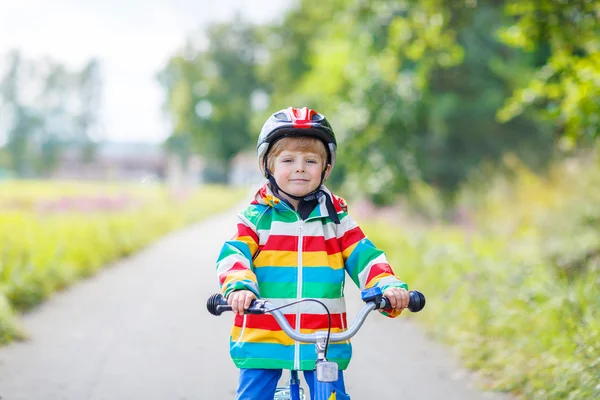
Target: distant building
x,y
115,161
135,162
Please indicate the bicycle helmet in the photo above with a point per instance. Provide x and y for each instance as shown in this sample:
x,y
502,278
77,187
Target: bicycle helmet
x,y
296,122
292,122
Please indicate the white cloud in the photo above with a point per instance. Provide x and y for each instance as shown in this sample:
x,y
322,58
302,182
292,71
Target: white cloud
x,y
133,40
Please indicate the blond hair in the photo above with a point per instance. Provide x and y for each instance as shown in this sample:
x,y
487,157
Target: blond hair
x,y
301,143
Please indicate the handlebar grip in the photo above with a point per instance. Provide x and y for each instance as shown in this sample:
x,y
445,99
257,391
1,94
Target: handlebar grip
x,y
217,305
415,304
417,301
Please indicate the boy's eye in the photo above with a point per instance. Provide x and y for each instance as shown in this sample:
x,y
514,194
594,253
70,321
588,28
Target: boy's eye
x,y
311,161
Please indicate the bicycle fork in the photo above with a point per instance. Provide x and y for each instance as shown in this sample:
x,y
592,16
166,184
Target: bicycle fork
x,y
326,372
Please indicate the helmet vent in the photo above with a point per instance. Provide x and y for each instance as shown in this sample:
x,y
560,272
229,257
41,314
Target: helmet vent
x,y
316,117
281,116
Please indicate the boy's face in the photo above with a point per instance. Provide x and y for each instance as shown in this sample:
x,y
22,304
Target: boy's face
x,y
298,172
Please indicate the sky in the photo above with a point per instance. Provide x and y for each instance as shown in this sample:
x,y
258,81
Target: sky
x,y
132,39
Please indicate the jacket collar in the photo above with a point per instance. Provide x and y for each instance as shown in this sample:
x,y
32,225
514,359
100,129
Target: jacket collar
x,y
265,196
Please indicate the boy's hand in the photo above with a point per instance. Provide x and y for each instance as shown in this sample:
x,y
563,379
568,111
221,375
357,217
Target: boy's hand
x,y
240,300
398,298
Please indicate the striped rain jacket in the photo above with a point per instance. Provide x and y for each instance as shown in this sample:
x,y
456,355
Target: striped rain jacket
x,y
282,258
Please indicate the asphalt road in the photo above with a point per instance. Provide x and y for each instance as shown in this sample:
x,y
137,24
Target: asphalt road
x,y
140,330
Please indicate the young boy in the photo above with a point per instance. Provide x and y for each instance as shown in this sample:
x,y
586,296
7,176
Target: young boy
x,y
296,240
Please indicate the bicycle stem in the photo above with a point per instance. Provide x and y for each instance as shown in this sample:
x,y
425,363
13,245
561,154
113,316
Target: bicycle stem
x,y
314,337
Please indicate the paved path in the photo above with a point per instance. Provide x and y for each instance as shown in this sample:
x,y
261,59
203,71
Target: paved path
x,y
140,330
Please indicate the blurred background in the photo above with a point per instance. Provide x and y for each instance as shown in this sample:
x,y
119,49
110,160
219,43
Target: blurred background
x,y
470,127
80,91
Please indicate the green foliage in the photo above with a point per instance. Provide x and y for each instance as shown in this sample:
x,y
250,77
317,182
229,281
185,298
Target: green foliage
x,y
9,326
367,69
566,87
516,291
46,249
460,131
417,91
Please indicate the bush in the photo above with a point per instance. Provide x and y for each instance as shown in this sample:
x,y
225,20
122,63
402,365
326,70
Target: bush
x,y
518,293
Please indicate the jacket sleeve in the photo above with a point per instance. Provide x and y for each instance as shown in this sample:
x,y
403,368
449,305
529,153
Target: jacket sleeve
x,y
366,264
234,264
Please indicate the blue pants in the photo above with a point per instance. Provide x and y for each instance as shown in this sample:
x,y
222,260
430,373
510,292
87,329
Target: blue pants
x,y
260,384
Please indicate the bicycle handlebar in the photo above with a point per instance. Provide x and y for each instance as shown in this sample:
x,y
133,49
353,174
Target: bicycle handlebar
x,y
217,304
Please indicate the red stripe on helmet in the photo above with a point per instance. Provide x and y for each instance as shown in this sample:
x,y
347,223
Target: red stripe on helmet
x,y
302,117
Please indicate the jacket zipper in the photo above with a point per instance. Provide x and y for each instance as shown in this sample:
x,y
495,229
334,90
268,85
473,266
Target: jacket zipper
x,y
298,292
298,285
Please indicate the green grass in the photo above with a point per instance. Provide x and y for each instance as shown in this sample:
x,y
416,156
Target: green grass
x,y
78,230
505,311
517,292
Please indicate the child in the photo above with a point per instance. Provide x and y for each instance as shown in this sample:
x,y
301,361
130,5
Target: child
x,y
296,240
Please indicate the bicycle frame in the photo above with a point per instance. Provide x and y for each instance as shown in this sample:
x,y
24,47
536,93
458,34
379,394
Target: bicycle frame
x,y
292,391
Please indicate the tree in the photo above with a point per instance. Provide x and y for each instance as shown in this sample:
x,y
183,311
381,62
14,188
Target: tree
x,y
418,91
411,87
564,87
47,108
210,93
366,68
89,87
24,120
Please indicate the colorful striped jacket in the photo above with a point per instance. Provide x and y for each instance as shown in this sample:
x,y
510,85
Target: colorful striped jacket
x,y
282,258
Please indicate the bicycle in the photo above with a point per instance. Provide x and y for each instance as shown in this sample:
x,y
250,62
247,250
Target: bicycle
x,y
326,371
